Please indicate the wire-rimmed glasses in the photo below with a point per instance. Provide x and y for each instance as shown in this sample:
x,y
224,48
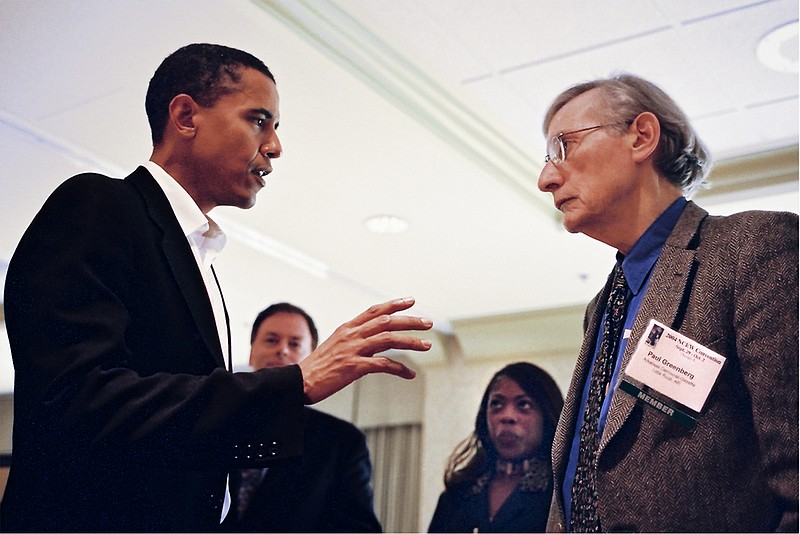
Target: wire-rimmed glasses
x,y
557,152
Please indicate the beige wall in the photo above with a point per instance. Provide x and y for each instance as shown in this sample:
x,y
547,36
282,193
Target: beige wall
x,y
6,402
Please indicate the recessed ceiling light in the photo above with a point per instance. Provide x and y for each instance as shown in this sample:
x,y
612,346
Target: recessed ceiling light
x,y
386,224
778,49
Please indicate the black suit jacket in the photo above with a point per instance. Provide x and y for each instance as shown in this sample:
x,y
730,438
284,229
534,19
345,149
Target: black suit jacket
x,y
329,490
125,418
461,510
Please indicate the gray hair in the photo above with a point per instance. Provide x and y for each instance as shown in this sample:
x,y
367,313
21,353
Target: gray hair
x,y
681,157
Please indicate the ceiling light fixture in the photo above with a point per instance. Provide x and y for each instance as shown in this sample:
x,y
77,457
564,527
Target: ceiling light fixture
x,y
386,224
777,50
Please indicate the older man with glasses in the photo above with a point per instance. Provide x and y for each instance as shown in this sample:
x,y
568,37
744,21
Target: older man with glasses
x,y
696,430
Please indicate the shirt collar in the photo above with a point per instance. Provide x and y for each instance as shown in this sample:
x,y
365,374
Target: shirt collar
x,y
198,228
644,253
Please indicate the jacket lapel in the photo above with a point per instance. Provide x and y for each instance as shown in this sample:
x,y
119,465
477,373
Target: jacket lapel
x,y
666,296
569,418
181,260
564,434
514,512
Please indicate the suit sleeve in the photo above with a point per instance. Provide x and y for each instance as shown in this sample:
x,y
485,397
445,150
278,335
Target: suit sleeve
x,y
353,510
106,352
766,320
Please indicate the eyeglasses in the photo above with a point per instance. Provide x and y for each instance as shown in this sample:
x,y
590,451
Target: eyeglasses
x,y
557,151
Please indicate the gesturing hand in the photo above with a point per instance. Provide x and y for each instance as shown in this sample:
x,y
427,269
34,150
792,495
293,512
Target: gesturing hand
x,y
349,353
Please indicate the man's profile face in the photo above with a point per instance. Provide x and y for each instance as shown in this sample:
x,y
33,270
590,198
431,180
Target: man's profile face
x,y
597,180
228,165
282,339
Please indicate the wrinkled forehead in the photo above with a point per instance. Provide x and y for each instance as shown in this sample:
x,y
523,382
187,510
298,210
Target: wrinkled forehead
x,y
584,110
286,324
258,86
505,385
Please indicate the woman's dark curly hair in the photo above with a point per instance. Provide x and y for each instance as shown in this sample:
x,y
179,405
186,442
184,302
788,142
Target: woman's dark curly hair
x,y
474,455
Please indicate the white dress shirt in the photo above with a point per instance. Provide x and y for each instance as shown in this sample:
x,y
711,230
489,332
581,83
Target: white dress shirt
x,y
207,240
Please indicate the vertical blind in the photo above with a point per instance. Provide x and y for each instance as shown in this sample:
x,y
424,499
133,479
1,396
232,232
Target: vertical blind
x,y
395,452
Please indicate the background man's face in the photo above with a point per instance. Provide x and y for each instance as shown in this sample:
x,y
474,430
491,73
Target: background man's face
x,y
282,339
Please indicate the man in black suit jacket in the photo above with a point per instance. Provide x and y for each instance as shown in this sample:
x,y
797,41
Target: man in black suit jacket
x,y
125,417
329,489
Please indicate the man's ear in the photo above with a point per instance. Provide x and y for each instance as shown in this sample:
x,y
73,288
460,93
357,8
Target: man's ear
x,y
182,110
648,133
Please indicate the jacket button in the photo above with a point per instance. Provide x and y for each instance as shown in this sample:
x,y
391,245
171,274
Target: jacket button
x,y
273,449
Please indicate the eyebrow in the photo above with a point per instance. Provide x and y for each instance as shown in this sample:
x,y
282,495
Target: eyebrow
x,y
278,334
518,397
262,111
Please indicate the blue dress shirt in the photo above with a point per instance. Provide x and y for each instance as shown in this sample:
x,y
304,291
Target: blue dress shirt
x,y
637,266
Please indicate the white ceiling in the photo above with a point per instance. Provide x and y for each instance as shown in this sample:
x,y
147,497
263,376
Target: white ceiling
x,y
429,110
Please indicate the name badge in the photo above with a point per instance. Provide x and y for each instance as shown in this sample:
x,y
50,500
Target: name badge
x,y
675,365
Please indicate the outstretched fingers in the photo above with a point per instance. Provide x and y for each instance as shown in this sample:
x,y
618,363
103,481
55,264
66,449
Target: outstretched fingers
x,y
379,318
350,352
377,310
386,340
382,364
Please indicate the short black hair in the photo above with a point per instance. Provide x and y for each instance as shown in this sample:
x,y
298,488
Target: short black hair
x,y
203,71
285,307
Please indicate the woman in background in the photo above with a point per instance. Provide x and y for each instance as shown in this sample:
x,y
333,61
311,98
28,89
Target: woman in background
x,y
499,479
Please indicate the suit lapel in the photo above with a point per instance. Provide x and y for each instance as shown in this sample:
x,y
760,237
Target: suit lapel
x,y
566,425
565,429
664,301
181,260
517,505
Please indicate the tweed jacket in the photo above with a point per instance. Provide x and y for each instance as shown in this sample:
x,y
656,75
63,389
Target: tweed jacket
x,y
729,283
125,418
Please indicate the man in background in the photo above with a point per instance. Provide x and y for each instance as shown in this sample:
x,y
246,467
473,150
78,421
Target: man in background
x,y
698,432
329,489
125,416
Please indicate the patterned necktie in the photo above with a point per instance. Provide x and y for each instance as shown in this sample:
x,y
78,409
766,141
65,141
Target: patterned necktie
x,y
584,516
249,481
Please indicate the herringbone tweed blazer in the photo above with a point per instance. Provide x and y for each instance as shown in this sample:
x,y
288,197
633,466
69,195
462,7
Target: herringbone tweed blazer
x,y
729,283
